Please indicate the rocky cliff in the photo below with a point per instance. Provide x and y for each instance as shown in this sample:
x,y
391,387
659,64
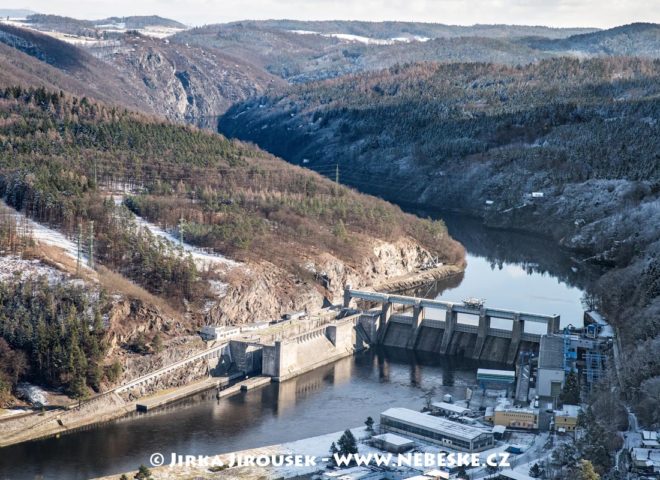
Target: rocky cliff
x,y
185,83
264,292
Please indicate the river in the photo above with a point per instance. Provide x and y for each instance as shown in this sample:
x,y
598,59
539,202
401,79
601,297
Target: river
x,y
507,269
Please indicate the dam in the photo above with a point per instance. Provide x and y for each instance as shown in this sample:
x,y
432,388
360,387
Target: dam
x,y
362,384
434,326
443,328
417,324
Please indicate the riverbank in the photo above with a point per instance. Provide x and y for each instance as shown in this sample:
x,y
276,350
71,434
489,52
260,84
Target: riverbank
x,y
105,408
417,279
111,406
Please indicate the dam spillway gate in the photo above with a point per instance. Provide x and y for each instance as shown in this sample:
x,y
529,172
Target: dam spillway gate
x,y
436,326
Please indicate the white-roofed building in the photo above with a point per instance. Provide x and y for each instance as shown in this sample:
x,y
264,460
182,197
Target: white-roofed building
x,y
645,460
214,332
450,409
392,443
437,430
566,418
650,439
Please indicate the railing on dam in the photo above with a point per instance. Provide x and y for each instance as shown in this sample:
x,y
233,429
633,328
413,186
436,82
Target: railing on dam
x,y
213,352
385,298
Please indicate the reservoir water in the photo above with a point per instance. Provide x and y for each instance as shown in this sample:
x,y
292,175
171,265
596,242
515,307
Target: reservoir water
x,y
508,270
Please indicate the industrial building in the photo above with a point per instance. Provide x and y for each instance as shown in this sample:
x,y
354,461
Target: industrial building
x,y
214,332
392,443
505,414
488,378
435,430
650,440
550,376
645,460
448,409
566,418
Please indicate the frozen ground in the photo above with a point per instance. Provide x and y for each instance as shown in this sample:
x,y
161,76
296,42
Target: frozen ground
x,y
42,234
16,268
201,258
32,393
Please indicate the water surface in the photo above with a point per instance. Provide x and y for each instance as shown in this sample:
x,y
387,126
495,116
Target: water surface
x,y
508,270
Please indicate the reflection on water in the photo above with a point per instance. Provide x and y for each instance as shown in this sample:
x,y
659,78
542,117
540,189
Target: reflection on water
x,y
513,271
509,270
329,399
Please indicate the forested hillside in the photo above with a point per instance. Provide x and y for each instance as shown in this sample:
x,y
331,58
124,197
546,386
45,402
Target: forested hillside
x,y
58,149
481,138
194,75
393,29
637,39
61,160
30,58
563,113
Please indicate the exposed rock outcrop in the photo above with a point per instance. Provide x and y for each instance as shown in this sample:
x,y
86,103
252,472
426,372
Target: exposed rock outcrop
x,y
264,291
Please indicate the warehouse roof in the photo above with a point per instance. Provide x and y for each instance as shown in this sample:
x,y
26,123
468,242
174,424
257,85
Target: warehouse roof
x,y
392,439
450,407
437,424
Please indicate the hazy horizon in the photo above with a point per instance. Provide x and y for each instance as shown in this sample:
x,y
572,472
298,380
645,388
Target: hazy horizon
x,y
553,13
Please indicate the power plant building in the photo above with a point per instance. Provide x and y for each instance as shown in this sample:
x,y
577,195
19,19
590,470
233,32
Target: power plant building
x,y
436,430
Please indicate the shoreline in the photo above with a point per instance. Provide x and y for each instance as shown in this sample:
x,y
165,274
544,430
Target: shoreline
x,y
52,428
417,279
109,406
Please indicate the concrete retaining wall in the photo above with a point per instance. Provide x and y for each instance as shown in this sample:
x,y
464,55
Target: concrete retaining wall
x,y
289,358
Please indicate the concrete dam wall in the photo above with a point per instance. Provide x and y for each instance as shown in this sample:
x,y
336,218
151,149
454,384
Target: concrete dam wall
x,y
400,334
294,356
435,326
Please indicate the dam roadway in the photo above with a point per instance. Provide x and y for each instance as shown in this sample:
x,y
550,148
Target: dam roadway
x,y
434,326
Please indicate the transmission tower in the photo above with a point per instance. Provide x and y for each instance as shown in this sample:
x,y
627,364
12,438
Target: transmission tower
x,y
79,262
181,227
91,244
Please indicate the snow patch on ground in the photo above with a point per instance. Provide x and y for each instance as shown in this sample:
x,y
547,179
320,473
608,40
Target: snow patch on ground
x,y
32,393
347,37
42,234
318,447
13,267
201,257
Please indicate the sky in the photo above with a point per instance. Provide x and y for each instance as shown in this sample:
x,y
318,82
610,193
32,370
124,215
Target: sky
x,y
555,13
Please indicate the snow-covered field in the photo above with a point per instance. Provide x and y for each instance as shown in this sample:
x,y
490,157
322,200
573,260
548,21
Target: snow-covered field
x,y
43,234
361,39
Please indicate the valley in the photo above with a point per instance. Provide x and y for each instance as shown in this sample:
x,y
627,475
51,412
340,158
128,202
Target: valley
x,y
161,179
